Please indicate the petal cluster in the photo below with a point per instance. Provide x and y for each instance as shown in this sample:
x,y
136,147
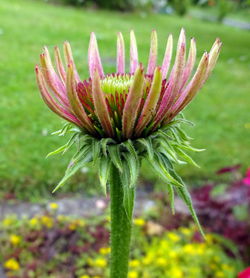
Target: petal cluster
x,y
124,105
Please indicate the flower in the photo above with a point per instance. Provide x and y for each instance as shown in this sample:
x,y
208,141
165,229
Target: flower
x,y
139,222
53,206
15,239
12,264
47,221
245,273
132,274
124,105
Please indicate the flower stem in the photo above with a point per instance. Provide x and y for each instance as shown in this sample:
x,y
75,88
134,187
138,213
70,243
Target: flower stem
x,y
121,228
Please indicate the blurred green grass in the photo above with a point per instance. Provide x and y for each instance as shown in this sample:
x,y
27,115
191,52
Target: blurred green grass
x,y
221,110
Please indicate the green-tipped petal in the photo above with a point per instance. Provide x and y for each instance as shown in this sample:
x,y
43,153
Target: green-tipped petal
x,y
148,110
59,65
50,101
101,108
75,103
194,85
153,53
69,58
213,56
132,104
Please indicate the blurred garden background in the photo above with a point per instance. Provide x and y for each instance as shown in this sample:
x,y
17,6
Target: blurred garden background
x,y
66,234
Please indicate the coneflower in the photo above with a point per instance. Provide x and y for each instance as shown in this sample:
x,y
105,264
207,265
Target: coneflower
x,y
117,119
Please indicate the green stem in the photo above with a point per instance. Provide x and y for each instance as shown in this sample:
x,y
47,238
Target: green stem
x,y
121,227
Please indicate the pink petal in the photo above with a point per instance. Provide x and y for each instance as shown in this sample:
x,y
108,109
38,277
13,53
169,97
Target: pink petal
x,y
133,53
132,103
190,62
69,58
59,65
167,57
52,79
120,54
101,108
153,53
94,57
51,103
148,110
75,103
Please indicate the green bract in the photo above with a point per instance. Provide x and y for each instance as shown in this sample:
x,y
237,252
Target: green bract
x,y
163,150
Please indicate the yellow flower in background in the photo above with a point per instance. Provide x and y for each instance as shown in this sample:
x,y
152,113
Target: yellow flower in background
x,y
139,222
134,263
12,264
47,221
133,274
8,222
104,250
174,237
85,276
33,222
96,276
161,262
220,274
53,206
80,222
15,239
189,249
176,273
185,231
100,262
72,226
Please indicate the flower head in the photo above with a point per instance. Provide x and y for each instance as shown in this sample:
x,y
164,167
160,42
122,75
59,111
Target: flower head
x,y
124,105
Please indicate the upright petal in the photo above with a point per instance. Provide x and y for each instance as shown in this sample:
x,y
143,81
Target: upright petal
x,y
69,58
213,56
59,64
101,108
75,103
153,53
120,54
132,103
133,53
94,57
190,62
148,110
177,72
50,101
195,84
167,57
52,79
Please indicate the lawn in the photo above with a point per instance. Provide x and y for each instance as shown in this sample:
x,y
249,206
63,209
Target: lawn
x,y
221,111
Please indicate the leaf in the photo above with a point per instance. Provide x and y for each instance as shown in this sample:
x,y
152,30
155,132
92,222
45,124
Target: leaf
x,y
132,164
149,147
96,149
104,144
115,155
104,170
128,192
186,157
75,165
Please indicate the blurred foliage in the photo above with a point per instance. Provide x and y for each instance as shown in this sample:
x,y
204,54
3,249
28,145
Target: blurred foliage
x,y
57,246
180,6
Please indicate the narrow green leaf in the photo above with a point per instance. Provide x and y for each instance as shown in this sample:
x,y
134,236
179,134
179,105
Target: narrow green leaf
x,y
74,166
95,150
132,164
115,155
104,144
104,170
149,147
